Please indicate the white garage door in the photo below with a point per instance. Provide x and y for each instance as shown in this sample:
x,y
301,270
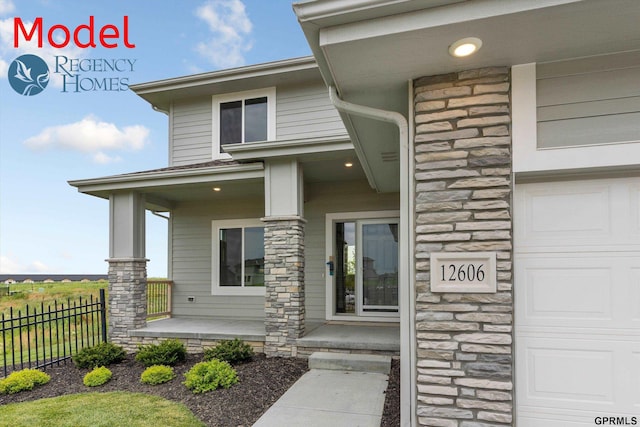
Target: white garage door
x,y
577,301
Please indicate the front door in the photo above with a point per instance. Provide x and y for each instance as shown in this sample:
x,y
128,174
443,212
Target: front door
x,y
364,268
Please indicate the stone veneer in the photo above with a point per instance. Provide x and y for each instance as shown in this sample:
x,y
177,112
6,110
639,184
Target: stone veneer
x,y
463,204
127,298
284,283
193,345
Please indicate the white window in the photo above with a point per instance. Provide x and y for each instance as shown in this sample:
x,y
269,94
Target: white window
x,y
243,117
238,257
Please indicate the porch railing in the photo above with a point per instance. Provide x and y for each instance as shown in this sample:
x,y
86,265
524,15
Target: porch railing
x,y
159,298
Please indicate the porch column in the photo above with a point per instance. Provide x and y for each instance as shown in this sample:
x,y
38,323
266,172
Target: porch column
x,y
284,258
127,266
463,205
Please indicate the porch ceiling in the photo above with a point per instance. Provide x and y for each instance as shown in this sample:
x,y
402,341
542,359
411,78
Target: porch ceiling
x,y
165,188
370,49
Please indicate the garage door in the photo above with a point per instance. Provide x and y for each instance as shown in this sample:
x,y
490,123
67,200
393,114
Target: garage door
x,y
577,301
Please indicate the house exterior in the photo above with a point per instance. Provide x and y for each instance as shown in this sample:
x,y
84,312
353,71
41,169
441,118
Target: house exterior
x,y
266,199
492,208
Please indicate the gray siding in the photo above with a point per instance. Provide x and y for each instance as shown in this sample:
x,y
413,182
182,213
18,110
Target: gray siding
x,y
191,260
191,250
335,197
191,140
301,112
589,101
306,112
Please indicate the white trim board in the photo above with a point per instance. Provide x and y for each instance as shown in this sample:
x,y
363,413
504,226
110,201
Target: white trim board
x,y
527,157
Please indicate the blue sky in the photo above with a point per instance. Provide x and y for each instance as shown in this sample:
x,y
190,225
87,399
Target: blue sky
x,y
46,226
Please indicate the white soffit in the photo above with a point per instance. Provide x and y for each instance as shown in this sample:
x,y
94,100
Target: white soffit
x,y
392,49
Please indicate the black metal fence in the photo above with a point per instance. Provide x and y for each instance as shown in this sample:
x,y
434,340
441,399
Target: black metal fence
x,y
39,338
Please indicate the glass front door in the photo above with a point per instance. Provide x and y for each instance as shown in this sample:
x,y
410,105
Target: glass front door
x,y
366,268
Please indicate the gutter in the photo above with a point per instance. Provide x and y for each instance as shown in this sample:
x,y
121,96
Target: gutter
x,y
407,345
373,113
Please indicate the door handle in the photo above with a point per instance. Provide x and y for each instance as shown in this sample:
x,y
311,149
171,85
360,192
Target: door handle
x,y
331,267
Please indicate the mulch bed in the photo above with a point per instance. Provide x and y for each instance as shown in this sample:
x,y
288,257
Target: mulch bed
x,y
262,381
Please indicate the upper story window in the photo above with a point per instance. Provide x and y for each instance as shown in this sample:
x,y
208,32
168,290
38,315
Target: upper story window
x,y
243,117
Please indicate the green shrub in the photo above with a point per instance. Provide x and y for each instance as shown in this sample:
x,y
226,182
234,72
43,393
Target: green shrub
x,y
103,354
97,377
167,353
26,379
230,351
157,374
207,376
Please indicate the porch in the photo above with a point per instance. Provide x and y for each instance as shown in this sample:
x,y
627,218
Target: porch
x,y
379,338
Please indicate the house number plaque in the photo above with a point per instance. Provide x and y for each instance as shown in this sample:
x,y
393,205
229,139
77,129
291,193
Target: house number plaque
x,y
466,272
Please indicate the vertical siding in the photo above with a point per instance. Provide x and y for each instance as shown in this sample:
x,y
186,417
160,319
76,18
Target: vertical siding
x,y
191,260
191,129
355,196
306,112
588,101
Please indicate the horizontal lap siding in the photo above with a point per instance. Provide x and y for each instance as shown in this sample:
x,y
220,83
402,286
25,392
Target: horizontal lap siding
x,y
589,101
191,260
191,253
306,112
191,131
301,112
323,198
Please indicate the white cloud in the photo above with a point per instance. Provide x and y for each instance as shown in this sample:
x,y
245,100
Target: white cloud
x,y
6,7
8,265
231,30
12,266
104,159
92,136
39,267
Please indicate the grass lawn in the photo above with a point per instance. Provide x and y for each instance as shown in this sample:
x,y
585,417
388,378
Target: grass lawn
x,y
114,409
36,293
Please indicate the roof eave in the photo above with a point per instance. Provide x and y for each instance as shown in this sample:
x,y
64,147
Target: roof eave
x,y
145,180
289,148
160,93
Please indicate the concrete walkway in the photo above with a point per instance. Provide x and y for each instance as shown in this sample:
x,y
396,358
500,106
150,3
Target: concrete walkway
x,y
339,396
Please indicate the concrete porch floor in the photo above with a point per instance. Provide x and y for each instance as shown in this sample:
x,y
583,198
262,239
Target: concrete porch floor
x,y
340,336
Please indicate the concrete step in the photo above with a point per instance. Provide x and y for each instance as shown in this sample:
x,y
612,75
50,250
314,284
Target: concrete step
x,y
350,362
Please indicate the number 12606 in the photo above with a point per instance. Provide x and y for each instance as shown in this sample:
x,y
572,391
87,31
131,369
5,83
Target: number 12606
x,y
462,272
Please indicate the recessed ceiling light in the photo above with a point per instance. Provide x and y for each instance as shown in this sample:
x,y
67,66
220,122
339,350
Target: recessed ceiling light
x,y
348,165
465,47
216,189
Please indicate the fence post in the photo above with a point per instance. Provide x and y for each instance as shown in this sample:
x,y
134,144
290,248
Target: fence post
x,y
103,312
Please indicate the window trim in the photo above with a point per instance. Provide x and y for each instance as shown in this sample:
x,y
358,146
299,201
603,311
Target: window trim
x,y
269,93
216,289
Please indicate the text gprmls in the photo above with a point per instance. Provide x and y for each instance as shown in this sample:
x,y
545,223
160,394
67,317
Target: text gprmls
x,y
108,35
72,81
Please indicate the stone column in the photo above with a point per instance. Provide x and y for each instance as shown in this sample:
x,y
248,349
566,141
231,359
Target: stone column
x,y
463,204
284,282
127,298
127,266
